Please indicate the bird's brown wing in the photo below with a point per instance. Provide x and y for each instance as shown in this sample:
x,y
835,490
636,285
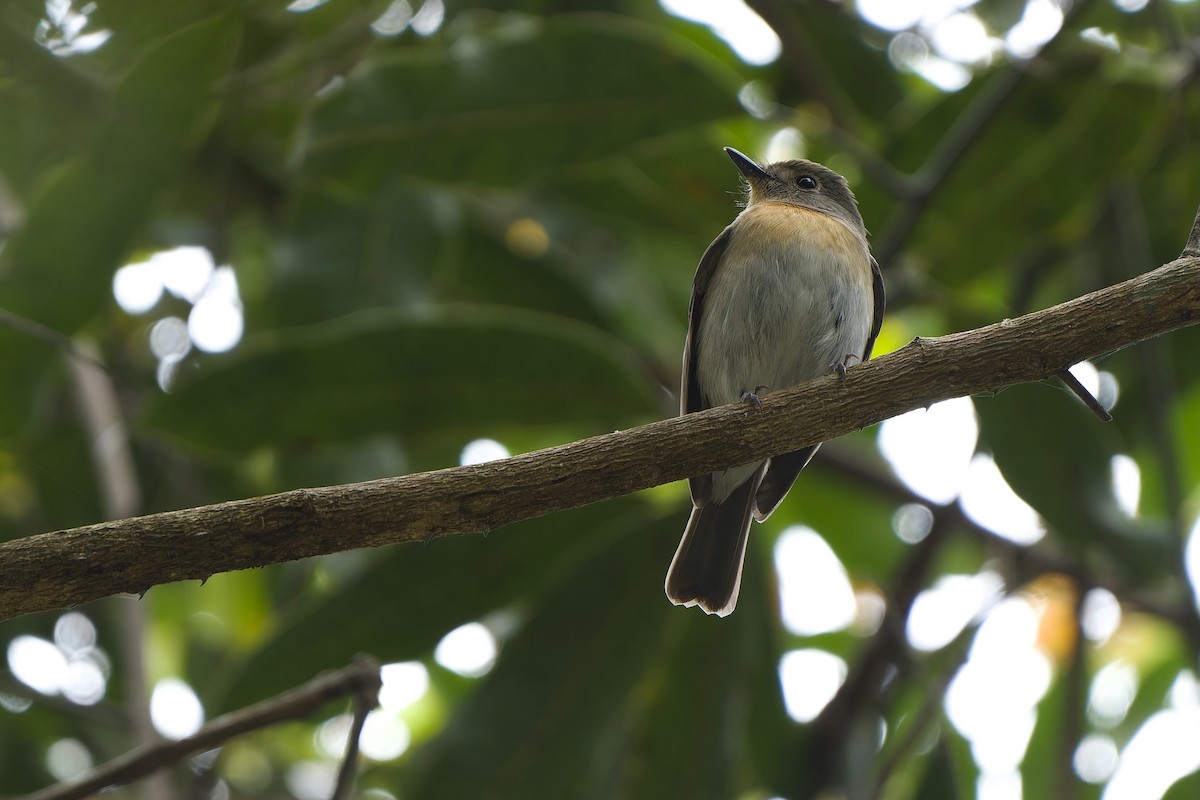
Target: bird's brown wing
x,y
690,397
880,304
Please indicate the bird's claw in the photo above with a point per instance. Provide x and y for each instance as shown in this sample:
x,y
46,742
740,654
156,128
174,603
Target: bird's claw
x,y
752,397
841,366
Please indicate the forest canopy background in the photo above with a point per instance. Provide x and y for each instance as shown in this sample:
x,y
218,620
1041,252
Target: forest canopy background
x,y
332,241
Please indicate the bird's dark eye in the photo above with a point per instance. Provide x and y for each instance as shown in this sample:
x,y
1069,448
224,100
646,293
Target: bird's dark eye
x,y
806,182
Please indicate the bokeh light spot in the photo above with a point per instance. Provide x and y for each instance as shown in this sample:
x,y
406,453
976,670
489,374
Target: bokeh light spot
x,y
175,709
810,679
37,663
527,238
963,39
940,613
73,632
990,502
751,38
929,449
785,144
169,339
1126,483
67,759
1095,758
85,682
429,18
1164,749
404,683
215,324
311,780
331,735
137,288
1039,23
912,522
469,650
394,19
1100,616
992,699
384,736
185,270
890,15
1113,689
815,594
480,451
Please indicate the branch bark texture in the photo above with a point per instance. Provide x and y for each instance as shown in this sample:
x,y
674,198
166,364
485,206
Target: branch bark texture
x,y
64,568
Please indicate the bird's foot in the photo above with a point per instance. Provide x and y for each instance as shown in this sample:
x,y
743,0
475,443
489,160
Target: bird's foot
x,y
847,361
752,397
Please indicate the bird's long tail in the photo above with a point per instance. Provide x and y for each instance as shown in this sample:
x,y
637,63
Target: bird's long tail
x,y
707,568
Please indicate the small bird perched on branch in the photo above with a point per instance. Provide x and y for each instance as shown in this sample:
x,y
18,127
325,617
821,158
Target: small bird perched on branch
x,y
787,293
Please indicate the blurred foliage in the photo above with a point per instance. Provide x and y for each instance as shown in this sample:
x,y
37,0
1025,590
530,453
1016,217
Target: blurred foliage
x,y
461,219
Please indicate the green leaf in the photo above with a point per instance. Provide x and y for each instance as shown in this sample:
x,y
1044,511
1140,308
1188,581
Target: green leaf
x,y
338,255
82,221
445,375
58,268
694,698
999,187
1058,457
857,525
1056,727
394,612
513,102
1184,788
940,780
552,718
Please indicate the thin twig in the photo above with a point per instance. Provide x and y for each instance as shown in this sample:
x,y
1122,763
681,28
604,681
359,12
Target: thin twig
x,y
965,132
1094,405
101,714
953,146
44,333
1192,248
908,737
1154,365
877,168
1074,702
1031,561
363,703
358,679
863,686
121,496
805,69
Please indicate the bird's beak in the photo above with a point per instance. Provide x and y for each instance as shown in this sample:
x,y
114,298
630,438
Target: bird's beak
x,y
752,171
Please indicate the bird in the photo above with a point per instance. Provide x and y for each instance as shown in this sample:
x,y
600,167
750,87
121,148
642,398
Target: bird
x,y
788,292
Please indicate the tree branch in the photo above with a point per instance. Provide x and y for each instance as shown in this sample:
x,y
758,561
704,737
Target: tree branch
x,y
121,495
804,67
52,570
1093,405
359,679
364,701
44,333
967,129
1192,248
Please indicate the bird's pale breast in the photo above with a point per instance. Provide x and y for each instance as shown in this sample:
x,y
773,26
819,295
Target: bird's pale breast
x,y
791,300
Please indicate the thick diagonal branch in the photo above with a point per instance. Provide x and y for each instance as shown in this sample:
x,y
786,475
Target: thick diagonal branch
x,y
59,569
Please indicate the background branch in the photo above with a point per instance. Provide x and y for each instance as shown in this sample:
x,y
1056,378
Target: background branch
x,y
44,333
55,569
121,496
364,700
359,679
966,131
